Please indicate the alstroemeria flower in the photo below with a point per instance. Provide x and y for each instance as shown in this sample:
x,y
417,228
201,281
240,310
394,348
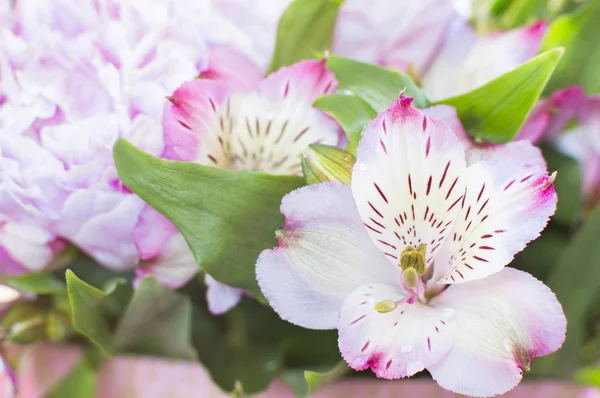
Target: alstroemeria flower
x,y
408,262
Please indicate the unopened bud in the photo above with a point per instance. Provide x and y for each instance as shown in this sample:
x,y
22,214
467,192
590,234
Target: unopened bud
x,y
322,163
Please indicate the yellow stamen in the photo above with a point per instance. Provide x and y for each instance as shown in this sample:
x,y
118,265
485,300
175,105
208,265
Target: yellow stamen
x,y
411,278
414,258
385,306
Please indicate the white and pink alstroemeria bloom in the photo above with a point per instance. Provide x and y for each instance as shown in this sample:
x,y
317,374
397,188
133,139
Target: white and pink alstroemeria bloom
x,y
261,129
474,324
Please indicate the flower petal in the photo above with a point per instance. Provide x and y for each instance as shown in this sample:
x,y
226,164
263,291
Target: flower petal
x,y
152,233
233,67
506,204
221,298
502,322
305,81
323,255
175,265
394,344
406,180
264,130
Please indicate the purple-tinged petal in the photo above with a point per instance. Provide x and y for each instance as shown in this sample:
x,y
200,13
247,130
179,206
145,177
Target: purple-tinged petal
x,y
175,265
502,322
404,35
221,297
8,380
563,107
394,344
304,81
535,125
467,61
406,180
506,204
233,67
324,254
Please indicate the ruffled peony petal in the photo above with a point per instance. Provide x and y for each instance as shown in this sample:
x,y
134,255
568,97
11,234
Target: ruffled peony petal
x,y
173,267
506,204
395,344
467,61
324,254
221,298
264,130
502,322
406,180
404,35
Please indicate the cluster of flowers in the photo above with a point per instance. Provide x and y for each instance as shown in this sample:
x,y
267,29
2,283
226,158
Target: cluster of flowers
x,y
385,260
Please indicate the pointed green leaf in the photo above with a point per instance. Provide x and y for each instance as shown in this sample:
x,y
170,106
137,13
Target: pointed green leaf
x,y
305,28
157,322
87,311
306,382
576,281
578,33
351,112
495,111
37,282
376,85
227,217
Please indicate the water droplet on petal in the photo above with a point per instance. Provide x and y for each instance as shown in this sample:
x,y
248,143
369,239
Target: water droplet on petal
x,y
414,367
362,166
406,348
449,313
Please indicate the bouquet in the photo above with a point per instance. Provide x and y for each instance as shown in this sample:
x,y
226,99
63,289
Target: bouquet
x,y
210,198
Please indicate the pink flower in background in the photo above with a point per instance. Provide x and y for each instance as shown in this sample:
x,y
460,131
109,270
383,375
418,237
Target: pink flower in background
x,y
409,262
264,126
467,60
406,35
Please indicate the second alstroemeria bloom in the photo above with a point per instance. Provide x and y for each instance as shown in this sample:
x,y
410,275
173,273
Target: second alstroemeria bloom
x,y
408,262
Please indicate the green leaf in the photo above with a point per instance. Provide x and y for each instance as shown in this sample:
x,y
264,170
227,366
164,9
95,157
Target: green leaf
x,y
577,32
80,382
227,217
495,111
157,322
376,85
38,282
567,186
351,112
87,312
576,281
306,382
305,28
589,376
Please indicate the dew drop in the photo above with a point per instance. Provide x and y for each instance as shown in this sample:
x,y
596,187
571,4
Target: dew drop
x,y
414,367
449,313
362,166
406,348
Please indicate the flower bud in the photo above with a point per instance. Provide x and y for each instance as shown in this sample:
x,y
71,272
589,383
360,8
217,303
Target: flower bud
x,y
323,163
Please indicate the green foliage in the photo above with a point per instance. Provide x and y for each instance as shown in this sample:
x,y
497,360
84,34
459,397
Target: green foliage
x,y
351,112
37,282
306,382
578,33
376,85
576,281
305,28
87,311
227,217
323,163
157,322
495,111
567,186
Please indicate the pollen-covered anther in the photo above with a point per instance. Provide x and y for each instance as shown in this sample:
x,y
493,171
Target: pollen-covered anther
x,y
411,278
385,306
414,258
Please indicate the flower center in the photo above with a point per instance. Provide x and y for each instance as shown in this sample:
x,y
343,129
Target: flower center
x,y
413,263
